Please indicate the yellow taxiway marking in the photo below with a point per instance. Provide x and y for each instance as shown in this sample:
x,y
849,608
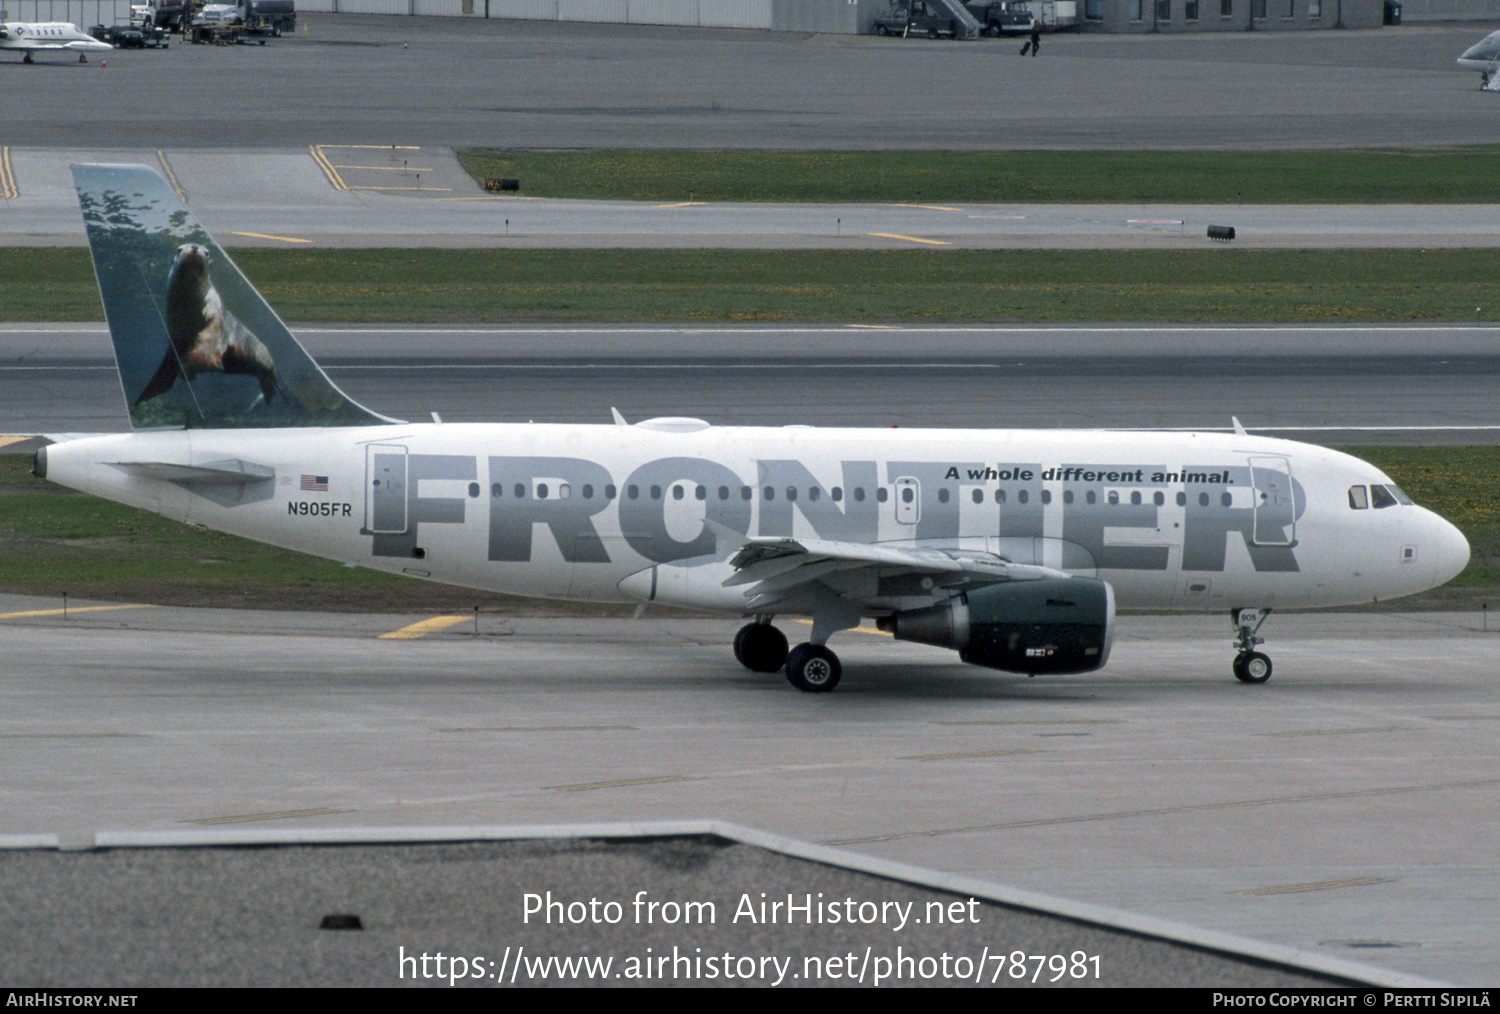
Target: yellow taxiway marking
x,y
267,816
7,178
372,147
926,207
327,167
619,784
1326,885
422,628
444,190
910,239
876,327
390,168
70,611
681,204
264,235
166,168
858,630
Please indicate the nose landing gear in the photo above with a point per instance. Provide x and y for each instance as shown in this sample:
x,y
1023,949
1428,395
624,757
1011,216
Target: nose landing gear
x,y
1250,666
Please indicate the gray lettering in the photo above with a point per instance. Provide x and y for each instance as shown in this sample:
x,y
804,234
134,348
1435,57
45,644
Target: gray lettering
x,y
643,521
1206,529
441,510
1084,523
850,520
567,517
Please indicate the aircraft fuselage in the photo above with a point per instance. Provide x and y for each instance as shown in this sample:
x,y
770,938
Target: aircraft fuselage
x,y
1179,521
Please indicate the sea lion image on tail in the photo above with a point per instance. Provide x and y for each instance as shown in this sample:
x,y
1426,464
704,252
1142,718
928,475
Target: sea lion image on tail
x,y
202,336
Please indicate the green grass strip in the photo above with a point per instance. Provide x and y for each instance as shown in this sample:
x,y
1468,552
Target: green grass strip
x,y
1458,175
1215,285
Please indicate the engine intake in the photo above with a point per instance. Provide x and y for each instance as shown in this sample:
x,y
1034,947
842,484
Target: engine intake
x,y
1052,626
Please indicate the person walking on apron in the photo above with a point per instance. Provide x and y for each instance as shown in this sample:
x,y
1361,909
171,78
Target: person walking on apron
x,y
1035,43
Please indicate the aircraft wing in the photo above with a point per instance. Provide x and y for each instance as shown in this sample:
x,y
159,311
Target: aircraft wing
x,y
772,570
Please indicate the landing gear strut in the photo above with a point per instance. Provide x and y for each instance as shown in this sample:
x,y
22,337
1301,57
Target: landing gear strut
x,y
760,647
1250,666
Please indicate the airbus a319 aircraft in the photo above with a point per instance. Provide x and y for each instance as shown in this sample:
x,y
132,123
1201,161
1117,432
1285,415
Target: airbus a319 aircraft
x,y
1012,547
49,36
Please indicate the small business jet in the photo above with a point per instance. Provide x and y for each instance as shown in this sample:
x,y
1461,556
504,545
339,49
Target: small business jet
x,y
1011,547
49,36
1483,56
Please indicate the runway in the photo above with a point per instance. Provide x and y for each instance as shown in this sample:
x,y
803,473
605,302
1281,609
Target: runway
x,y
1346,808
1338,385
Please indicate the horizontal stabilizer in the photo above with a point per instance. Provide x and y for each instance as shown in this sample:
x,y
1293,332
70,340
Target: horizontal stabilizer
x,y
213,473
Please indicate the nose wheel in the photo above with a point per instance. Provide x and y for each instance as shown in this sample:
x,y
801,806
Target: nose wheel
x,y
1250,666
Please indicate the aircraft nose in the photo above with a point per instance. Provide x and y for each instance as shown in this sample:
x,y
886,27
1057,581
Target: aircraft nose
x,y
1450,550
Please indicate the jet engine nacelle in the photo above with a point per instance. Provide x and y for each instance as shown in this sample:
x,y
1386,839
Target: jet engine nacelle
x,y
1052,626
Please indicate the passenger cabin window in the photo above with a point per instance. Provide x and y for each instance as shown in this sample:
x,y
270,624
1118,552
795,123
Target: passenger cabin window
x,y
1358,498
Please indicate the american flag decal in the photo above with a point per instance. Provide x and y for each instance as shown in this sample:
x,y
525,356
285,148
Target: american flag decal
x,y
315,484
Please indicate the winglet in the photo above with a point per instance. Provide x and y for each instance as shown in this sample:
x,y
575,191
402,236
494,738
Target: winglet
x,y
1238,429
195,344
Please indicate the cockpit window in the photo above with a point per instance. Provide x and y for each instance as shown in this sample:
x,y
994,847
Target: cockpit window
x,y
1358,499
1397,492
1380,496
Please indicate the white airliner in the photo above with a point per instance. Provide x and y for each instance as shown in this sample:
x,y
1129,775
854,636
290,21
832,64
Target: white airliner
x,y
1012,547
49,36
1483,56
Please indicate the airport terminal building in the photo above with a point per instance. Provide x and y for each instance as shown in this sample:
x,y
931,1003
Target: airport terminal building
x,y
857,17
839,17
1123,16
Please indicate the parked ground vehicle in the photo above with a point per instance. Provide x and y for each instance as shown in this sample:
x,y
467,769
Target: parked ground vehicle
x,y
1001,17
168,15
130,36
250,19
1051,15
932,18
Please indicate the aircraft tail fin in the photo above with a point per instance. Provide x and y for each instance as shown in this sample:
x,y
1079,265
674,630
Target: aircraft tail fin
x,y
195,343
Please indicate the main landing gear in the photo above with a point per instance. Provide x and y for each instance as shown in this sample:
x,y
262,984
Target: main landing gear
x,y
761,647
1250,666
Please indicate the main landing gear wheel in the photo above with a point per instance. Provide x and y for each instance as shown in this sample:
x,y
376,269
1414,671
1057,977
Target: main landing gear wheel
x,y
813,668
760,647
1252,667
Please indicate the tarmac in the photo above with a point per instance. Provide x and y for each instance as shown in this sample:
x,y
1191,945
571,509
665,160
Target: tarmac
x,y
1342,813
